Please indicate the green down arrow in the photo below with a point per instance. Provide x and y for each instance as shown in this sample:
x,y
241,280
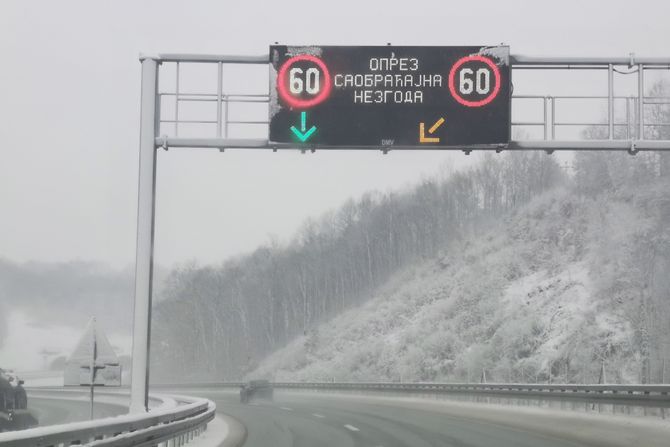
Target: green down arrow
x,y
302,134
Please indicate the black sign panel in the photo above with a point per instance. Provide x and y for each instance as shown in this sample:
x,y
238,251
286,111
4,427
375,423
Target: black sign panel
x,y
385,96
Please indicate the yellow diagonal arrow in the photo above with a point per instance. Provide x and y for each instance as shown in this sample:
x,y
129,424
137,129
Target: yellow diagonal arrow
x,y
422,132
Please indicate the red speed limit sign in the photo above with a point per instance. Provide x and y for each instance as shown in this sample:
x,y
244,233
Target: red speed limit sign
x,y
304,81
474,81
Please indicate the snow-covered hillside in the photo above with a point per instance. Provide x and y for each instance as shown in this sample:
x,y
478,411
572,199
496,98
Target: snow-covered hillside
x,y
527,300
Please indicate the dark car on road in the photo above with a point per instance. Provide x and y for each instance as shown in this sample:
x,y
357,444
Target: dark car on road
x,y
14,413
256,389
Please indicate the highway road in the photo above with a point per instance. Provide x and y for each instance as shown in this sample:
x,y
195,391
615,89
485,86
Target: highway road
x,y
60,411
324,419
304,422
297,419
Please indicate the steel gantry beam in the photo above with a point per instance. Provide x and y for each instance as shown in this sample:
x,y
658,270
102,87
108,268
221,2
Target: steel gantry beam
x,y
526,145
635,124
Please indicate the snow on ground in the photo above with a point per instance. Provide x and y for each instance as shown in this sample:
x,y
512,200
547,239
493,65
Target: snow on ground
x,y
517,301
42,378
27,338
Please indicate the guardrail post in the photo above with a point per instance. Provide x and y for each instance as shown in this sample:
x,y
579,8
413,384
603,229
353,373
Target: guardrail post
x,y
139,398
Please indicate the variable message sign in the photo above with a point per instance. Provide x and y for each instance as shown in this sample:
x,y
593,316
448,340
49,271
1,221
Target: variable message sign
x,y
387,96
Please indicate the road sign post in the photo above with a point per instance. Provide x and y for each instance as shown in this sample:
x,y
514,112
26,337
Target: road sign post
x,y
93,362
91,369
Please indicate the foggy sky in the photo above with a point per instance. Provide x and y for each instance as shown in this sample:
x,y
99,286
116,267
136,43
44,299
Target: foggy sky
x,y
69,113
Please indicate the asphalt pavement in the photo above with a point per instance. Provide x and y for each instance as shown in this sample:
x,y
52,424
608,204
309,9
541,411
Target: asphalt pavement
x,y
313,420
61,411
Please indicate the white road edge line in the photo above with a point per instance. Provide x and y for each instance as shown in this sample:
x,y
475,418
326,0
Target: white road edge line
x,y
286,408
350,427
317,415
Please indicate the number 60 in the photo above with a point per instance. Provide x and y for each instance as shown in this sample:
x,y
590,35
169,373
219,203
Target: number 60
x,y
310,85
481,83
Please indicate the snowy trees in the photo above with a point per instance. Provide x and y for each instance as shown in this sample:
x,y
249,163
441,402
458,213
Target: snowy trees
x,y
225,319
549,294
66,292
636,254
592,258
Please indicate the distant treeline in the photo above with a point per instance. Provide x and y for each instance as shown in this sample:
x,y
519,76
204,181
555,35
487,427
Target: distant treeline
x,y
66,293
220,321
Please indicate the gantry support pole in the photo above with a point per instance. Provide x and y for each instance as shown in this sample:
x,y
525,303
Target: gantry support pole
x,y
145,237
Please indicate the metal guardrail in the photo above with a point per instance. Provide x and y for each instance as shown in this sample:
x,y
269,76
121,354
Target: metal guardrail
x,y
171,426
656,395
634,395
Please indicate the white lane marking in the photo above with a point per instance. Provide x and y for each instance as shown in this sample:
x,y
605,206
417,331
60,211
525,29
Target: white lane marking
x,y
286,408
350,427
317,415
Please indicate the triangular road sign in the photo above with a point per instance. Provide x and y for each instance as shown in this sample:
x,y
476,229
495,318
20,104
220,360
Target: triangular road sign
x,y
93,349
